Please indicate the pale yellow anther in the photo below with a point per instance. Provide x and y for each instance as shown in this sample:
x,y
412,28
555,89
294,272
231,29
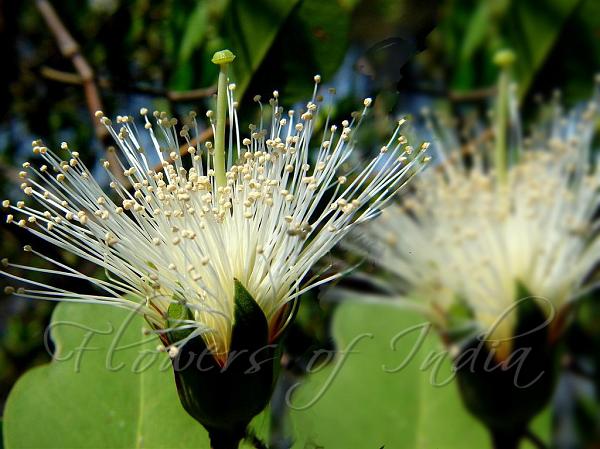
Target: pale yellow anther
x,y
173,351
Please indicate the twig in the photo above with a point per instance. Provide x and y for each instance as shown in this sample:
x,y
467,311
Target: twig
x,y
85,76
75,79
193,94
201,138
472,95
70,49
60,76
454,95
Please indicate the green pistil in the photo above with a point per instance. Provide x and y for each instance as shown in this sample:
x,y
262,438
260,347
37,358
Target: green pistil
x,y
504,59
222,58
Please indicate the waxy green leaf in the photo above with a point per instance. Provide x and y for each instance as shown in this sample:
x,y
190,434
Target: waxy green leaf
x,y
390,385
106,388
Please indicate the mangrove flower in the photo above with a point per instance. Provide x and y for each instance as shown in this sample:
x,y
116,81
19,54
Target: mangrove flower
x,y
217,230
474,240
464,237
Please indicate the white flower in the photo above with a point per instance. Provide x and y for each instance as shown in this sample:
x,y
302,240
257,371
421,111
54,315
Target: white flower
x,y
465,236
180,235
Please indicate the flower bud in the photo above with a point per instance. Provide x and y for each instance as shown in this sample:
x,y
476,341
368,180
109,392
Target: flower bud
x,y
224,397
506,394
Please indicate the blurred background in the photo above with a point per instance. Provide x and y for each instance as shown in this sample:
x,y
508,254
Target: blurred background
x,y
62,60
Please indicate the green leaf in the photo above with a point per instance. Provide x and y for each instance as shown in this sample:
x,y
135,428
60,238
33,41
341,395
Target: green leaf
x,y
533,28
530,28
354,402
194,31
107,387
319,32
252,26
476,32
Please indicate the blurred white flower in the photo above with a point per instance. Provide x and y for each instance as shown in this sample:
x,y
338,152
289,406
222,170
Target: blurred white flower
x,y
465,237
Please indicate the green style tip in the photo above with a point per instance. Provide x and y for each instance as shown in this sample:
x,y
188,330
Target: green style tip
x,y
223,57
504,58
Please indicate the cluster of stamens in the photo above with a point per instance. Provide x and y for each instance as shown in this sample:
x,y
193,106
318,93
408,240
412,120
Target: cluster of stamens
x,y
465,236
165,231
